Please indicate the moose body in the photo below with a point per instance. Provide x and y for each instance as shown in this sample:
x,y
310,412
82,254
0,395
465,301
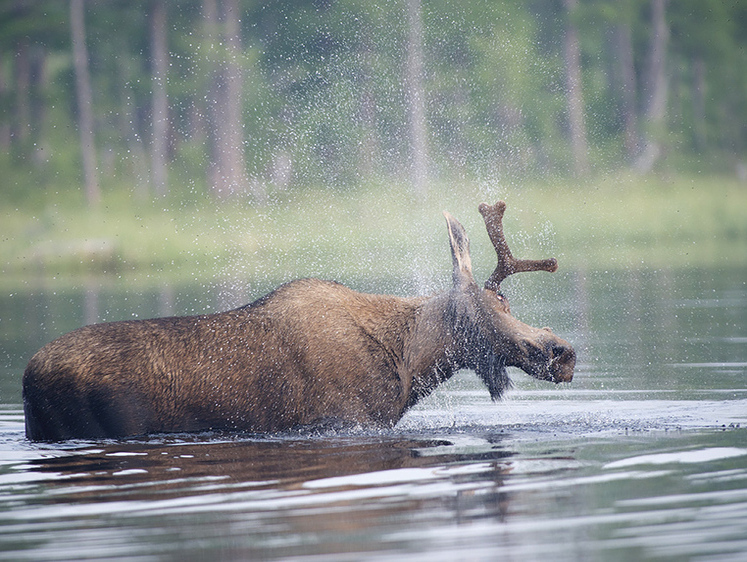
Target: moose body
x,y
309,353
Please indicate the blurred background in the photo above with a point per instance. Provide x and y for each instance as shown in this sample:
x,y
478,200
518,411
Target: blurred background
x,y
324,137
183,157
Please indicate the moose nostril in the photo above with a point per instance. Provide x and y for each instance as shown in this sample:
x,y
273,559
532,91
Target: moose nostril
x,y
558,351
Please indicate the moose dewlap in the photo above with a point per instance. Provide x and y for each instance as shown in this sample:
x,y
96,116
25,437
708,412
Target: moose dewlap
x,y
311,352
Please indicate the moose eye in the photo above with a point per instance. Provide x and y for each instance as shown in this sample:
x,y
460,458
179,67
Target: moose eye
x,y
502,298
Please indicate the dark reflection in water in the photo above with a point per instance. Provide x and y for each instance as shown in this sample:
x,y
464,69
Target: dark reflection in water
x,y
475,493
165,463
290,495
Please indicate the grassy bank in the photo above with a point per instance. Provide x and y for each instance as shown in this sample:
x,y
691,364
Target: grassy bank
x,y
375,232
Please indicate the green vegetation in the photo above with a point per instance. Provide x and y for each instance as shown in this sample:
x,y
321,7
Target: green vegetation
x,y
280,139
251,99
378,231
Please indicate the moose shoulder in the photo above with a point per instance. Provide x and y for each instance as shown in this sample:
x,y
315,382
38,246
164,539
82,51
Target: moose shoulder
x,y
308,353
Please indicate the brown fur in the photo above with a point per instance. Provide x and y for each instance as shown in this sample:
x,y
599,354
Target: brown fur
x,y
308,353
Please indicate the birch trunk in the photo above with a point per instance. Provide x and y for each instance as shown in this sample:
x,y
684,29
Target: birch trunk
x,y
415,96
628,86
85,102
159,146
574,92
656,102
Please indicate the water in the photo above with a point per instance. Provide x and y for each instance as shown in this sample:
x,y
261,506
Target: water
x,y
643,456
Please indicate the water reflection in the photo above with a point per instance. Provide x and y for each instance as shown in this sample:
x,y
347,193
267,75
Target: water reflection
x,y
265,497
164,465
475,494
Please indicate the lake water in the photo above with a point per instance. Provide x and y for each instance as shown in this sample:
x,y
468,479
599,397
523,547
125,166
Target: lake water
x,y
642,457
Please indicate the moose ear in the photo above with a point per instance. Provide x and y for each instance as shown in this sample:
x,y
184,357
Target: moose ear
x,y
462,263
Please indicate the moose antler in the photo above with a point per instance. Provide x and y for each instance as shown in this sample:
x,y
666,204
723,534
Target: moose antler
x,y
507,263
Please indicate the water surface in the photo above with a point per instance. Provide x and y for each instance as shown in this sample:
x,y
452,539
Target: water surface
x,y
643,456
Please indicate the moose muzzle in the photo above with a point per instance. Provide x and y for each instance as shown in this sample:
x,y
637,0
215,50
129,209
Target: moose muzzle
x,y
547,357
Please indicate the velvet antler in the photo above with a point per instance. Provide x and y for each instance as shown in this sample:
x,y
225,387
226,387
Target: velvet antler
x,y
507,263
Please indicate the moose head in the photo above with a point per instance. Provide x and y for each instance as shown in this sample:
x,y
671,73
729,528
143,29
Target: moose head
x,y
309,353
493,338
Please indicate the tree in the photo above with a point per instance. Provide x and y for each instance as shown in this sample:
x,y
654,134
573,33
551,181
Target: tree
x,y
5,127
574,92
623,46
231,128
657,87
160,111
369,147
23,83
308,93
85,102
704,52
227,171
415,99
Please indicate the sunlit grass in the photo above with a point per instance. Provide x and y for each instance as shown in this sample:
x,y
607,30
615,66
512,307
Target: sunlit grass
x,y
379,231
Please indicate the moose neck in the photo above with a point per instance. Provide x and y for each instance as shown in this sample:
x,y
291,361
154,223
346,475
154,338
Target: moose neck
x,y
431,350
418,335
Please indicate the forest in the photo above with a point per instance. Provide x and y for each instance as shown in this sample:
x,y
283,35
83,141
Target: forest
x,y
250,98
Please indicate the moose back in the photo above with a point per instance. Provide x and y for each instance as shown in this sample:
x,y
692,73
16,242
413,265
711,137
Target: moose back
x,y
309,353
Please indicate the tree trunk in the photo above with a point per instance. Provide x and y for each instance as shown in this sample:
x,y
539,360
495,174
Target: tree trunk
x,y
210,28
232,149
227,171
85,103
369,150
23,92
699,103
623,44
129,124
159,69
415,96
656,101
38,103
574,92
5,126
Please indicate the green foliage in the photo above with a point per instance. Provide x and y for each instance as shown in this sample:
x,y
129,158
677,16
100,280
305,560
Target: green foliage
x,y
324,88
326,138
376,231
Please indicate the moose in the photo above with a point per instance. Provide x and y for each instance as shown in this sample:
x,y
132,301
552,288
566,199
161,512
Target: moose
x,y
308,354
